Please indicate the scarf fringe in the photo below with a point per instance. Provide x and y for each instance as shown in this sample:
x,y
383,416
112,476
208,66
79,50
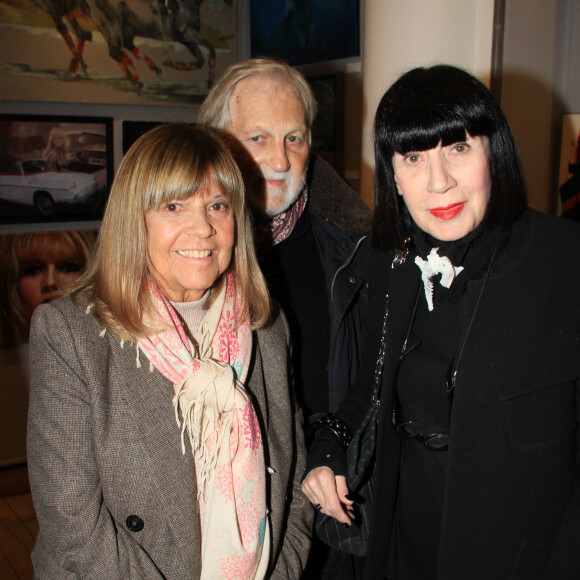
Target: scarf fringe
x,y
206,428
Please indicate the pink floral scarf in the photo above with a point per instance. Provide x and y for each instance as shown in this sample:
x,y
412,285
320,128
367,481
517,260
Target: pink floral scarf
x,y
218,417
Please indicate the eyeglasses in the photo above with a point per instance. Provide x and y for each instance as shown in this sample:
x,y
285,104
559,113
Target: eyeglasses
x,y
412,429
432,441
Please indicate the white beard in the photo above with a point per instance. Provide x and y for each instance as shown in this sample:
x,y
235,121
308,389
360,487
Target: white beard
x,y
278,199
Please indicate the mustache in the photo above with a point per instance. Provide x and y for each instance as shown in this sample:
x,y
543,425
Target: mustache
x,y
274,175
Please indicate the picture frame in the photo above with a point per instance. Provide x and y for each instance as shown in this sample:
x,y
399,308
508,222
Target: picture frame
x,y
54,168
302,33
328,128
132,130
569,179
140,53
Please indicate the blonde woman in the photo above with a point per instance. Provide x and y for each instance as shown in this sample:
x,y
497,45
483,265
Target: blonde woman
x,y
163,438
34,268
57,153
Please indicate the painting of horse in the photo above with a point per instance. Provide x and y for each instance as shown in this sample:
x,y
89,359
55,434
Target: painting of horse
x,y
137,51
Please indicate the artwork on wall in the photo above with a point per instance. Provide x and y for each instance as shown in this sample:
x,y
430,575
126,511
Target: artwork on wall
x,y
132,130
102,51
54,169
34,267
299,32
328,127
570,167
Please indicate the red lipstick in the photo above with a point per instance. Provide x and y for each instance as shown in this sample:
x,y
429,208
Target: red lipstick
x,y
448,212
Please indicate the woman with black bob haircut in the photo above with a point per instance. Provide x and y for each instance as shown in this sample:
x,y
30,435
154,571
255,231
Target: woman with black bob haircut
x,y
472,334
441,103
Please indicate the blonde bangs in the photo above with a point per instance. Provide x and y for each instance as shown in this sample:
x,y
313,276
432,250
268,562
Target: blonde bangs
x,y
169,163
172,170
71,243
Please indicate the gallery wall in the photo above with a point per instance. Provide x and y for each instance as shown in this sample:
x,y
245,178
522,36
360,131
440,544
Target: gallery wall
x,y
141,109
104,95
539,84
540,57
45,89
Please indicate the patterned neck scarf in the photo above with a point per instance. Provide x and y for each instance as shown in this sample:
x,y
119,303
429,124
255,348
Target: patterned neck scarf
x,y
270,232
223,429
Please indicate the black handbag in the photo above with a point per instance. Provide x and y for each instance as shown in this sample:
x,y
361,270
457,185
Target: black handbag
x,y
360,461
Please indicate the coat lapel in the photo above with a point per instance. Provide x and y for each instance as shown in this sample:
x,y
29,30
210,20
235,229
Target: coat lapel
x,y
149,400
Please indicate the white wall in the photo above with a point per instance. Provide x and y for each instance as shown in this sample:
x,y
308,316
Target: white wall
x,y
402,35
527,97
540,79
541,83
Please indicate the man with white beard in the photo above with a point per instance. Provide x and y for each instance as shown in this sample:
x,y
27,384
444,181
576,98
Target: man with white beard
x,y
308,225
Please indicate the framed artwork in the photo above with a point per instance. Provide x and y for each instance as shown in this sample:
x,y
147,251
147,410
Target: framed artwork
x,y
328,128
570,167
54,169
34,267
135,52
132,130
300,32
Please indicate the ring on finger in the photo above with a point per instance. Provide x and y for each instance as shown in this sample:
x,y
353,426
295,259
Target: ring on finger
x,y
318,507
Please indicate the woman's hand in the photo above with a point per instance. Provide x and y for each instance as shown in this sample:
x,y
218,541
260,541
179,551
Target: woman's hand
x,y
323,488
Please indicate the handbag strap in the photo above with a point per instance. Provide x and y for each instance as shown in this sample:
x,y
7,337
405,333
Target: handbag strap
x,y
398,259
336,425
376,396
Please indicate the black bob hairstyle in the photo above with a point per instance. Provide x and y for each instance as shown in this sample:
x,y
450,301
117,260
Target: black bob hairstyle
x,y
429,105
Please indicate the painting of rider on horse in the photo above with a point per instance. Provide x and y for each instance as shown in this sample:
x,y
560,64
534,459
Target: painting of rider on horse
x,y
132,52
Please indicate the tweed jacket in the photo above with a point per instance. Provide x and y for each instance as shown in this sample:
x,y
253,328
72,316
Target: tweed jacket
x,y
511,508
114,494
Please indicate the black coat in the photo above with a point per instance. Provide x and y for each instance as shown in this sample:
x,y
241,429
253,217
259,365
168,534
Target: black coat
x,y
512,500
345,285
339,219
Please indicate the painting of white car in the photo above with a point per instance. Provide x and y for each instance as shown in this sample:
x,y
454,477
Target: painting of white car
x,y
34,183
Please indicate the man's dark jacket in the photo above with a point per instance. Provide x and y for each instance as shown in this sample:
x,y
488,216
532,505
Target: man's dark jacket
x,y
339,220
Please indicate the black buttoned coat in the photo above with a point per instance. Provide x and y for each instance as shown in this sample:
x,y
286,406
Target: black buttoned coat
x,y
511,508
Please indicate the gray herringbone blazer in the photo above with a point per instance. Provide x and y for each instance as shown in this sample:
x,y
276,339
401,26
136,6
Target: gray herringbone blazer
x,y
114,495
